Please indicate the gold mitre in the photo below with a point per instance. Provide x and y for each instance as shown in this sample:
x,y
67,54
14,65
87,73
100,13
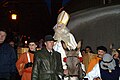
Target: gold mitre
x,y
63,17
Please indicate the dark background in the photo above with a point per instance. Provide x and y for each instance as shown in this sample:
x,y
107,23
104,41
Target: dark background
x,y
37,17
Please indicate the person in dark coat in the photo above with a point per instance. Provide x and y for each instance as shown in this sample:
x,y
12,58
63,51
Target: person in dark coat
x,y
7,58
104,70
47,63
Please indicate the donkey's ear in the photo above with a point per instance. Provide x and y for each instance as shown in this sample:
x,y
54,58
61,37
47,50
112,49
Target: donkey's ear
x,y
64,45
79,45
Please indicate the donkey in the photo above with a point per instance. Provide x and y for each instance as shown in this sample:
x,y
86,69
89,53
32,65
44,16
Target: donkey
x,y
73,62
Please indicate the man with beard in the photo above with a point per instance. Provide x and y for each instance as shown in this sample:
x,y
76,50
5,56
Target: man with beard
x,y
105,69
101,50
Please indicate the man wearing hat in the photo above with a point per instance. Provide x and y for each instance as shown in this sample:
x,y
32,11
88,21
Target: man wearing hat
x,y
62,33
105,70
25,62
47,64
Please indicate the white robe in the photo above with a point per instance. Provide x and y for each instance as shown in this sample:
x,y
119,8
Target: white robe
x,y
71,43
94,73
62,33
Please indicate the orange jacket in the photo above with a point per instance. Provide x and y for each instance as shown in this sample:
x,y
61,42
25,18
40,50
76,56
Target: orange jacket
x,y
92,63
23,59
87,58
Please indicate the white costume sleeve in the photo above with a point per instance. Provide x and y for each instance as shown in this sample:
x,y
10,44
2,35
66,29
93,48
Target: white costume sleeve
x,y
73,43
94,73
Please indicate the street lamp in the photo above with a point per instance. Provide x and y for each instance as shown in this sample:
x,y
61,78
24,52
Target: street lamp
x,y
13,16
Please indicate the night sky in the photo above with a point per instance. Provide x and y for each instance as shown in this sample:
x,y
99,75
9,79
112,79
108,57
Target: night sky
x,y
35,17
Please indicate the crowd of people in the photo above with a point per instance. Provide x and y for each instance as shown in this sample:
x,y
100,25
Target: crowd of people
x,y
47,63
103,66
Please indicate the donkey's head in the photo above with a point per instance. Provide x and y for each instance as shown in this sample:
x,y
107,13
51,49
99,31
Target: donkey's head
x,y
71,52
72,60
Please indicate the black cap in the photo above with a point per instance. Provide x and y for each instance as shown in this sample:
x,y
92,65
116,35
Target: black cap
x,y
33,39
49,38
